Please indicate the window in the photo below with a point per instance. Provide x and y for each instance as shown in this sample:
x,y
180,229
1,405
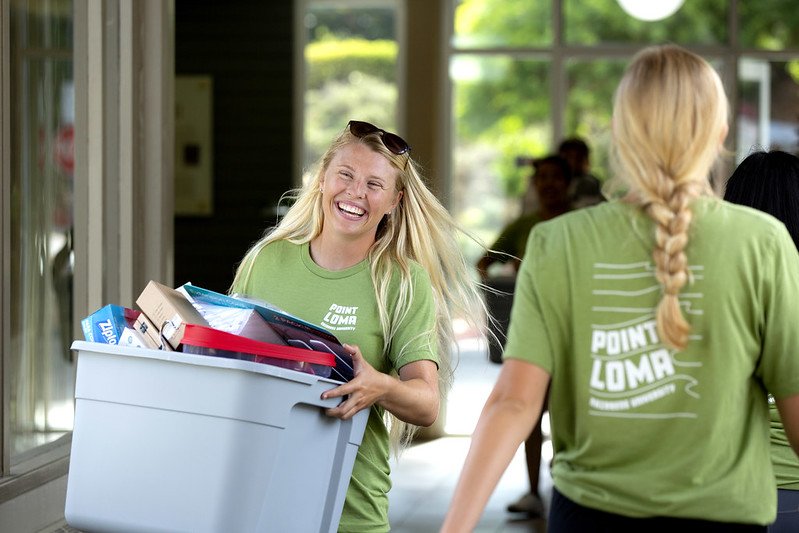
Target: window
x,y
524,75
42,100
500,109
767,102
351,54
697,22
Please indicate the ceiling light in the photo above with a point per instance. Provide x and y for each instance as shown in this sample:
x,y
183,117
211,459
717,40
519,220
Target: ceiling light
x,y
650,9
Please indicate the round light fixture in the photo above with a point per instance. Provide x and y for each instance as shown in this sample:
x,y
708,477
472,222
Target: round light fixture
x,y
650,9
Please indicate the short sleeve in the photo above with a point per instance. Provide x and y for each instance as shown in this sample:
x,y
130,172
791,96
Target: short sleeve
x,y
415,339
242,284
779,364
528,339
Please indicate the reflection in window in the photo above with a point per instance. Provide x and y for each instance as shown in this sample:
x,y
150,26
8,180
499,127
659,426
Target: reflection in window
x,y
42,370
350,70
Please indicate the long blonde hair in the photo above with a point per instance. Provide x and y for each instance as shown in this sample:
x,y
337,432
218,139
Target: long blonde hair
x,y
419,229
669,122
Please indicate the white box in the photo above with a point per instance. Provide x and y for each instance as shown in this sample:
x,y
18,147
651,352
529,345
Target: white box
x,y
167,441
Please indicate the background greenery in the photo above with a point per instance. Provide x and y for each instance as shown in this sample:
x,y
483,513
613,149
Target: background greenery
x,y
501,76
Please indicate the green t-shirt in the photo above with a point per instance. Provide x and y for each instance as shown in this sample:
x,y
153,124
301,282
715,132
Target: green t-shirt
x,y
639,429
513,238
344,303
786,464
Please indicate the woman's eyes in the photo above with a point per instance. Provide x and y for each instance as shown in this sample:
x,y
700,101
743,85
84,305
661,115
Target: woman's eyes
x,y
373,185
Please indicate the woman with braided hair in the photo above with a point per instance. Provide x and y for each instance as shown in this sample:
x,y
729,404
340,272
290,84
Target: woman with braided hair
x,y
659,321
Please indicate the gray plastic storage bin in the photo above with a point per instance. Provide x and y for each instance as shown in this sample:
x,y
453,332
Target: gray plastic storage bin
x,y
167,441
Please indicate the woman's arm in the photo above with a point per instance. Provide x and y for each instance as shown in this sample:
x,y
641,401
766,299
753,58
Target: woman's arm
x,y
412,398
506,421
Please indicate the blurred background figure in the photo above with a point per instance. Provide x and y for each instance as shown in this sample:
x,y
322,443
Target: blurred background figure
x,y
551,181
769,181
585,189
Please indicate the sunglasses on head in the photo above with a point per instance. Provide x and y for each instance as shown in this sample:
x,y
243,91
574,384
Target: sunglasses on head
x,y
392,141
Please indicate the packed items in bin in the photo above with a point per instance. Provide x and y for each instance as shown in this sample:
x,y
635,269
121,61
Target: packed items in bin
x,y
292,330
220,325
209,341
169,310
111,324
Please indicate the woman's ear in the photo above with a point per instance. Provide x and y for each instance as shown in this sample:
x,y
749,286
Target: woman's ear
x,y
724,131
397,201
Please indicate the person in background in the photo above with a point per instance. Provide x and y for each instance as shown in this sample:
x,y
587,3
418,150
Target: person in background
x,y
657,321
551,179
769,182
586,189
366,240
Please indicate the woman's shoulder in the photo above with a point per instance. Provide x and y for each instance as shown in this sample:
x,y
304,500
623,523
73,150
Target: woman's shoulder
x,y
272,253
413,272
737,220
417,271
276,247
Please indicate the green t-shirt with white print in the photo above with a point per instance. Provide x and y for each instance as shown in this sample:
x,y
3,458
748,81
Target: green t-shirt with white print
x,y
640,429
344,302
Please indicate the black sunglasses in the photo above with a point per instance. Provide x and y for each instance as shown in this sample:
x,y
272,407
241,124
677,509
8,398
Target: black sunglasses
x,y
392,141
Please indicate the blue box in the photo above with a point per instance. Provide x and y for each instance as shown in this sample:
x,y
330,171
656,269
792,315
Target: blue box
x,y
107,323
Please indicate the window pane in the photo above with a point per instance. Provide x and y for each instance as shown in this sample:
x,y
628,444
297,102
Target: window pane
x,y
769,24
767,103
351,72
604,21
501,110
589,104
42,369
488,23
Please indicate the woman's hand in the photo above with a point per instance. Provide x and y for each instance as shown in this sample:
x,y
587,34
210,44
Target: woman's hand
x,y
412,398
366,388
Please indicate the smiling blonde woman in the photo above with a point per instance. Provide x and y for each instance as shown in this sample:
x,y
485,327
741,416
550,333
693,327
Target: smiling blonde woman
x,y
366,241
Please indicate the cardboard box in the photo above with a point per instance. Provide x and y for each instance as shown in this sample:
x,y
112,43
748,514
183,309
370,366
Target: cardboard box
x,y
169,311
150,334
181,442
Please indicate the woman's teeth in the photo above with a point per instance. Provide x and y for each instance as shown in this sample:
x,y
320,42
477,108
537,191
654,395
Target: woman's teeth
x,y
351,209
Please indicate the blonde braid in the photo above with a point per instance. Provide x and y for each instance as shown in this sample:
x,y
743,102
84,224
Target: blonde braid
x,y
673,218
669,122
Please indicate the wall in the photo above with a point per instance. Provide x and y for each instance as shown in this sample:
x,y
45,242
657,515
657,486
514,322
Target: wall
x,y
246,47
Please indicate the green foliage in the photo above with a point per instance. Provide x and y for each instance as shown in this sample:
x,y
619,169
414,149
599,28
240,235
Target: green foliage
x,y
769,24
326,22
336,60
481,23
331,106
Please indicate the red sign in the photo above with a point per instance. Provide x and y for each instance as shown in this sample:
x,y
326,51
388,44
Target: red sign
x,y
64,148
